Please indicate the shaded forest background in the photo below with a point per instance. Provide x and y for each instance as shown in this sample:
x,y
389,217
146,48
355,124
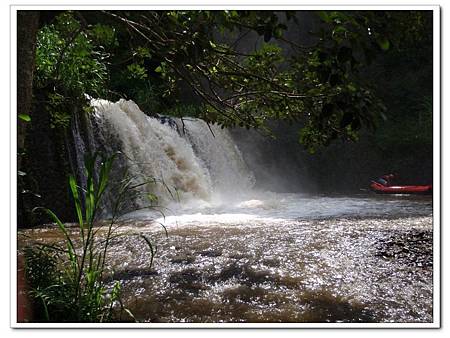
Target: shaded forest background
x,y
379,120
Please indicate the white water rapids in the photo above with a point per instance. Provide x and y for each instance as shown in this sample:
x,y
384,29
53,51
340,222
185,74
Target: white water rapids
x,y
196,162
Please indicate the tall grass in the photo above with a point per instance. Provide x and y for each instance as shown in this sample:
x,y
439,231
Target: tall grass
x,y
68,281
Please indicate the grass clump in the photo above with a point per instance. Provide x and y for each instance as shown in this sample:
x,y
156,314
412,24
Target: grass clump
x,y
67,281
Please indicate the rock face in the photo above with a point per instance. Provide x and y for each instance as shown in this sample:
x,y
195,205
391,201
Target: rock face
x,y
47,164
27,25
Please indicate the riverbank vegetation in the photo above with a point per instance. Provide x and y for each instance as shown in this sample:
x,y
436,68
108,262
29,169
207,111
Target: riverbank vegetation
x,y
68,279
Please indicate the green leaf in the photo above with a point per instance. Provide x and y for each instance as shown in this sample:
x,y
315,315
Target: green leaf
x,y
324,16
339,29
103,180
158,69
25,117
383,42
70,246
76,197
152,197
278,32
351,87
150,246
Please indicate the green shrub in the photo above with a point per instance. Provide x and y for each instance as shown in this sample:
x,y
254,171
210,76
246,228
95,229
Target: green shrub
x,y
67,282
70,63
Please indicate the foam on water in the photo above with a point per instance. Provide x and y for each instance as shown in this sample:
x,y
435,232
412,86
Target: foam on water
x,y
200,164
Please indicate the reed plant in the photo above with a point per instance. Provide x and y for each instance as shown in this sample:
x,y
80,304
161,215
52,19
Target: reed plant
x,y
67,280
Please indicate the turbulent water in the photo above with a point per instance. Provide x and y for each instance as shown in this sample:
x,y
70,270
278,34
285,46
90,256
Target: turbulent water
x,y
189,159
286,258
236,254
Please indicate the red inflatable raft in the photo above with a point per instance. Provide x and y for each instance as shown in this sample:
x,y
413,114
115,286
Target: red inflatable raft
x,y
401,189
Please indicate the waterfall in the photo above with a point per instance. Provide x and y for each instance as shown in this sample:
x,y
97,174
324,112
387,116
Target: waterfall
x,y
194,161
220,155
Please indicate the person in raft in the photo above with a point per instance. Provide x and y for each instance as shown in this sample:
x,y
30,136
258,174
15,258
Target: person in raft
x,y
385,179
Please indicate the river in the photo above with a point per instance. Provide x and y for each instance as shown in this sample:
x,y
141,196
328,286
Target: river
x,y
279,258
234,253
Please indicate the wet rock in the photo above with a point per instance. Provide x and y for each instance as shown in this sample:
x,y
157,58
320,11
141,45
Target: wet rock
x,y
183,259
243,293
237,256
230,271
210,253
188,280
129,274
185,276
244,274
323,307
414,248
272,262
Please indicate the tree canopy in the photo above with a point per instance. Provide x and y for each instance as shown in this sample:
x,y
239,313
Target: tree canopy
x,y
193,62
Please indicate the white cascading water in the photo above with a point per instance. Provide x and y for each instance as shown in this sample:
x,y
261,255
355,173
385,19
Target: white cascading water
x,y
222,158
195,165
